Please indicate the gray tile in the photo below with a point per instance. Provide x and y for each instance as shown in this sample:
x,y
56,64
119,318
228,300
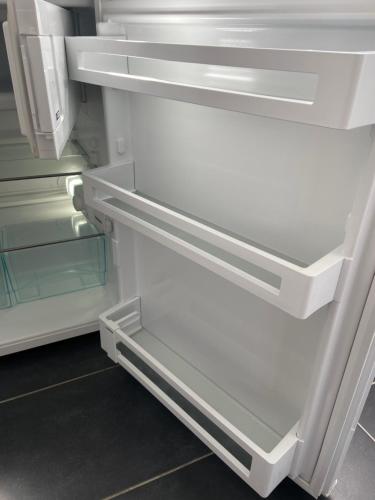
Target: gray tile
x,y
88,439
368,415
50,364
357,476
208,479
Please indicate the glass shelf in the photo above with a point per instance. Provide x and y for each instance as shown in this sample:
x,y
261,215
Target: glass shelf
x,y
17,162
45,257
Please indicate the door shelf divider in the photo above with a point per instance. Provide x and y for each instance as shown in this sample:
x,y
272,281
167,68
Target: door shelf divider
x,y
342,96
298,290
256,452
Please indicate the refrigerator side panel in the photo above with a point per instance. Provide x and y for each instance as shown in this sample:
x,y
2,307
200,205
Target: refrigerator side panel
x,y
354,389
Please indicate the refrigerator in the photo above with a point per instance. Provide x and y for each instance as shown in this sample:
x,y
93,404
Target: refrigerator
x,y
196,180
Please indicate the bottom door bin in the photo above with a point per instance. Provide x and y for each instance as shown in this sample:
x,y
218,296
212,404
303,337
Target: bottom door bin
x,y
243,441
55,269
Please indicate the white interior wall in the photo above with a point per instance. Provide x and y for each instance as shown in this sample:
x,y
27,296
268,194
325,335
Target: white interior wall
x,y
261,356
284,185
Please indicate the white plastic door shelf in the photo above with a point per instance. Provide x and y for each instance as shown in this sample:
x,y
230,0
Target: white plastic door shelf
x,y
298,290
343,96
252,449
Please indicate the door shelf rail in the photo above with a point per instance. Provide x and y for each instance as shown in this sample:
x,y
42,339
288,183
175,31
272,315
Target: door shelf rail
x,y
342,98
298,290
253,450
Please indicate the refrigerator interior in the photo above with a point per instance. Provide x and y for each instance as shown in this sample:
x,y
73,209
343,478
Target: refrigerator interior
x,y
57,272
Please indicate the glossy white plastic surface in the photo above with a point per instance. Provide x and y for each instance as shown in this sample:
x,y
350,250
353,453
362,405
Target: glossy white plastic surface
x,y
342,98
271,453
298,290
56,318
47,102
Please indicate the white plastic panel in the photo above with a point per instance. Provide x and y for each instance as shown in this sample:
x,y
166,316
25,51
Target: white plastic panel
x,y
342,98
56,318
293,288
208,10
261,456
47,102
287,186
169,284
214,325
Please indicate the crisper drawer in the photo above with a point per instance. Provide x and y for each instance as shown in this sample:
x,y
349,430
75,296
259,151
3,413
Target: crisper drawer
x,y
295,288
54,269
5,299
255,451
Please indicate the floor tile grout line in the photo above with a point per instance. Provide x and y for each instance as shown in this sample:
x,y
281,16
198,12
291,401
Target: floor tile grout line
x,y
366,432
58,384
159,476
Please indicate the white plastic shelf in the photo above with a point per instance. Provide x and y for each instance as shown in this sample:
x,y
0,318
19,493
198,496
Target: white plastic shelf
x,y
298,290
248,445
55,318
341,98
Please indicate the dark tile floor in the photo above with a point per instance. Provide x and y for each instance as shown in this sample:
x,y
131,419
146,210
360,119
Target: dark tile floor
x,y
75,426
